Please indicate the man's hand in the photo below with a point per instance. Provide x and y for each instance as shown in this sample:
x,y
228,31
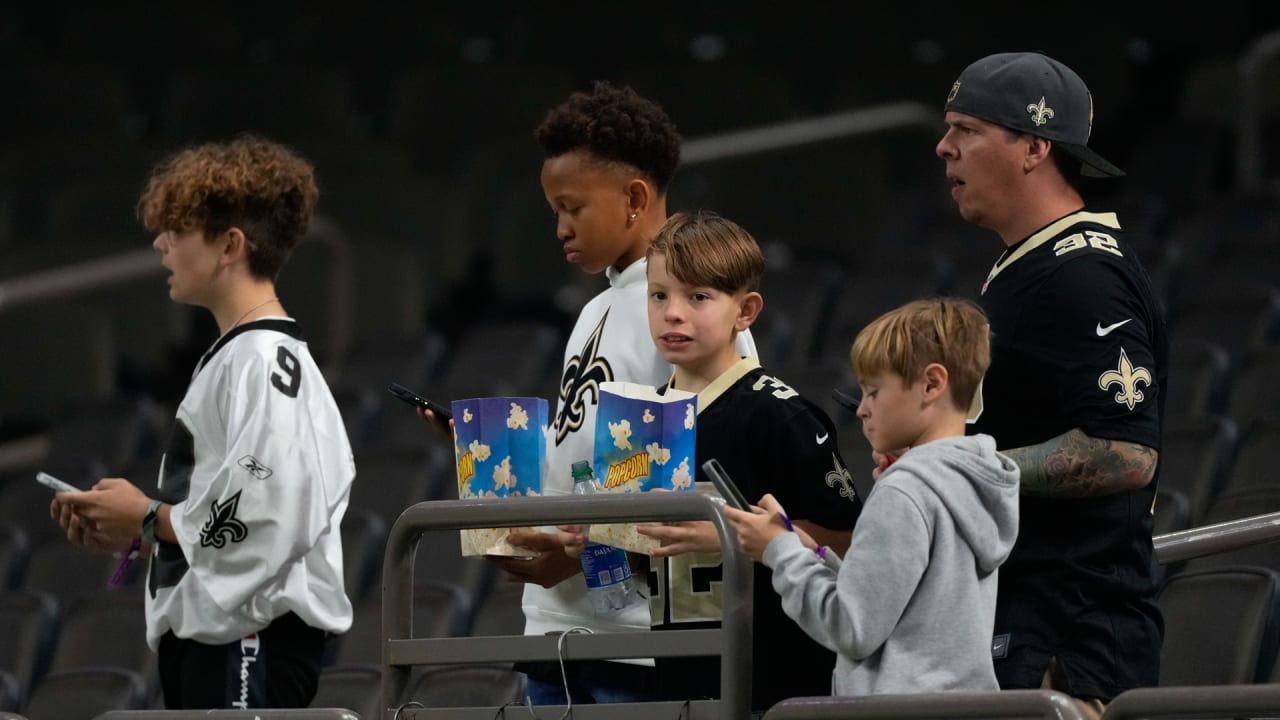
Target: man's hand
x,y
550,567
111,512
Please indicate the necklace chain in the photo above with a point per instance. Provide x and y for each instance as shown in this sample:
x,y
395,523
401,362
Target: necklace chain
x,y
246,312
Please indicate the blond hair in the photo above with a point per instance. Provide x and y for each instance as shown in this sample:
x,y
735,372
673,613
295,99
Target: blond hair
x,y
952,332
705,250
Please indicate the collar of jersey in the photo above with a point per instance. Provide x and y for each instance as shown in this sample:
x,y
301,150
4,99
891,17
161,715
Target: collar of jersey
x,y
285,325
726,380
1050,231
634,273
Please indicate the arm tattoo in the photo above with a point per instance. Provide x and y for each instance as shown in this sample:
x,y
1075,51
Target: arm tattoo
x,y
1076,465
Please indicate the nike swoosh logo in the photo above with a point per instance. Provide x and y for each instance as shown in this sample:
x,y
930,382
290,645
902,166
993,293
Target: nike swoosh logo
x,y
821,438
1105,331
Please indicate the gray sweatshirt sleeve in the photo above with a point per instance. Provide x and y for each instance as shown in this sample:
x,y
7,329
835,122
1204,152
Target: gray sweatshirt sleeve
x,y
851,607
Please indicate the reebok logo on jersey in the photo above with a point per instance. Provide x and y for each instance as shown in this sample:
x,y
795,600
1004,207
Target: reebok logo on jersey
x,y
222,525
1105,331
255,467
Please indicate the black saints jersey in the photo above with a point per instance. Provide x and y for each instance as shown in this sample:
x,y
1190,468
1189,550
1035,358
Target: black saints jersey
x,y
1078,341
258,471
769,440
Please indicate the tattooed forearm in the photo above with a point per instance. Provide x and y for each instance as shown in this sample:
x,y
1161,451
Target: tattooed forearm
x,y
1077,465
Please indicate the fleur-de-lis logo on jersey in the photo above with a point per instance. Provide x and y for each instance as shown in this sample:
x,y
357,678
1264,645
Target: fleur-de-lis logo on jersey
x,y
584,372
1127,377
222,525
840,476
1040,113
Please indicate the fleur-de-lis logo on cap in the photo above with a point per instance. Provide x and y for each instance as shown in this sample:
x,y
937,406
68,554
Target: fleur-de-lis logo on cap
x,y
1040,114
955,90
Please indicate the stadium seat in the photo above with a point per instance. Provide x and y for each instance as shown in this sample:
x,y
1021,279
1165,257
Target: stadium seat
x,y
440,610
364,534
10,693
15,548
70,573
1255,393
797,294
1195,455
29,623
85,694
1221,626
1172,512
1237,315
499,610
353,687
1256,455
107,629
497,358
467,686
1199,374
388,482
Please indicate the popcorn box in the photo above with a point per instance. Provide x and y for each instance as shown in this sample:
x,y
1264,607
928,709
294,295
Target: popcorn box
x,y
501,451
643,441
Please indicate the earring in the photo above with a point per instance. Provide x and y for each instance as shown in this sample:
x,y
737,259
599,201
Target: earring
x,y
633,215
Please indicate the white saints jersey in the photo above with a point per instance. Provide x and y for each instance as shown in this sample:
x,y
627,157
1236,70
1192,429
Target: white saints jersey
x,y
609,342
258,470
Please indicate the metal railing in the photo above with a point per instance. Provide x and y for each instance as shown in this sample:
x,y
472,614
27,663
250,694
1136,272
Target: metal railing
x,y
1218,538
731,642
1048,704
1250,109
299,714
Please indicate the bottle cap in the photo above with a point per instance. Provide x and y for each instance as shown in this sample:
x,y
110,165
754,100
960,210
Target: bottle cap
x,y
580,468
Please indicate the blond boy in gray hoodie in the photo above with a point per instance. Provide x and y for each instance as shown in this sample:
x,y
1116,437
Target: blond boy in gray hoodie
x,y
910,608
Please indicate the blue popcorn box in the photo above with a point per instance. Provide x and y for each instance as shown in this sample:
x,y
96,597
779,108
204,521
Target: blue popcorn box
x,y
643,441
500,444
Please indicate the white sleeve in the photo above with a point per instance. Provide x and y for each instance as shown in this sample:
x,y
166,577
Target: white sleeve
x,y
852,607
266,504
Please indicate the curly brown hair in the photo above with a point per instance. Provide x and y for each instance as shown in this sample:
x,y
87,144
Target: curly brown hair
x,y
616,125
259,186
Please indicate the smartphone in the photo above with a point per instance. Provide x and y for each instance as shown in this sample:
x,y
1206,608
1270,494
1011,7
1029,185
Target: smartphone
x,y
730,492
417,400
50,481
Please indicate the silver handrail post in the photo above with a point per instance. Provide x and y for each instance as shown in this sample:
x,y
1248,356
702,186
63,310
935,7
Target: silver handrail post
x,y
1249,112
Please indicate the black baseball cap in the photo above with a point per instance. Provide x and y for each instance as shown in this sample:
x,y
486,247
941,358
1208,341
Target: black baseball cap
x,y
1032,93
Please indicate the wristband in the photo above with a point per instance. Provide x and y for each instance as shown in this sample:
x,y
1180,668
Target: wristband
x,y
149,522
821,552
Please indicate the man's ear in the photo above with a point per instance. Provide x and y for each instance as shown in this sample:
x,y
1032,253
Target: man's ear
x,y
749,308
936,380
1037,151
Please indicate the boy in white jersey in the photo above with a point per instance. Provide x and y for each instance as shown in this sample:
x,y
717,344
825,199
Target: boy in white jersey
x,y
609,157
246,576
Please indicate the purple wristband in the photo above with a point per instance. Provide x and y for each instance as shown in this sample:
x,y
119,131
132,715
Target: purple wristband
x,y
821,552
787,521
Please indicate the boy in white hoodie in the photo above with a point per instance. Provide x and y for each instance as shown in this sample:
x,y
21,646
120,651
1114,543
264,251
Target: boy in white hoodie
x,y
911,606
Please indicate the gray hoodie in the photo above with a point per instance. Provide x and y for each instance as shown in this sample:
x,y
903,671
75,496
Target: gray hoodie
x,y
912,606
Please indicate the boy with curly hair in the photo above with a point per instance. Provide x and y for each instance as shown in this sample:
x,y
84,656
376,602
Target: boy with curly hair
x,y
245,581
610,155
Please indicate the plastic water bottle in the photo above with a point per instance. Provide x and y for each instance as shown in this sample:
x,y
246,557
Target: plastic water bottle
x,y
604,567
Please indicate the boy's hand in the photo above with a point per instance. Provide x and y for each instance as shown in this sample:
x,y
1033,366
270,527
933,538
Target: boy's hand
x,y
682,537
112,510
78,530
758,527
550,567
440,425
883,461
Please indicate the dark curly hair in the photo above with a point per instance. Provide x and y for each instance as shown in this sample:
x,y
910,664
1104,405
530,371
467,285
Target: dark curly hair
x,y
616,125
259,186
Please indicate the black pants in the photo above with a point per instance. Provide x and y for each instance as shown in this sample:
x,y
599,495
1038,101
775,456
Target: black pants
x,y
278,667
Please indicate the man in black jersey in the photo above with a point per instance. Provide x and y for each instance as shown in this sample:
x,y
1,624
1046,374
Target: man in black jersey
x,y
1075,391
